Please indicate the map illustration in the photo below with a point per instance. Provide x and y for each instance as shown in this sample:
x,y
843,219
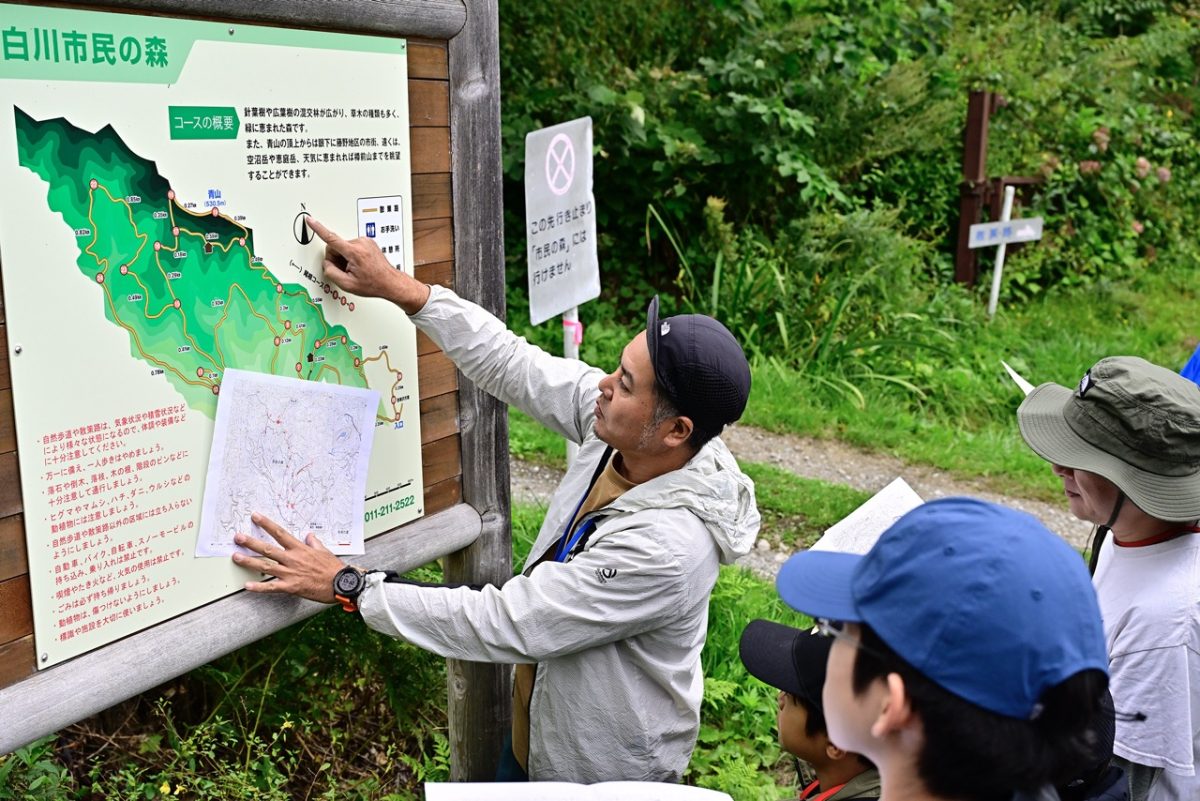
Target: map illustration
x,y
154,244
293,450
185,284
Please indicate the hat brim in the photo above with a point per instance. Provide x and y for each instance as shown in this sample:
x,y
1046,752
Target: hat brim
x,y
652,333
766,650
1045,429
818,583
786,658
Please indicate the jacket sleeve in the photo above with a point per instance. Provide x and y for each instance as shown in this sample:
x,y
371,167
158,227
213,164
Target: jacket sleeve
x,y
559,393
622,586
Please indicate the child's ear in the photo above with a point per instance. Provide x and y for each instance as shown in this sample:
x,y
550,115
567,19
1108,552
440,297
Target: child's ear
x,y
833,752
896,712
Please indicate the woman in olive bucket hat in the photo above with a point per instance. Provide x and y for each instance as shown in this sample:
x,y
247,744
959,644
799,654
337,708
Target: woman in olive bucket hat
x,y
1126,444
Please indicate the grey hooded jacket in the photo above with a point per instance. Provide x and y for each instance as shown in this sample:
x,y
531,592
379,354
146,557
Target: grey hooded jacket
x,y
616,631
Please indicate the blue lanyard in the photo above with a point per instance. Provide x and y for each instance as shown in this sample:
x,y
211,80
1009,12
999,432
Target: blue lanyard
x,y
568,540
565,545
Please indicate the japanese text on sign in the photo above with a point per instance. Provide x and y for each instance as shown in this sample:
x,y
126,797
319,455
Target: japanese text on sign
x,y
74,47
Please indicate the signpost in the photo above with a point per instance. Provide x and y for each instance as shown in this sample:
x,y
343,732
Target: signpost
x,y
999,234
560,213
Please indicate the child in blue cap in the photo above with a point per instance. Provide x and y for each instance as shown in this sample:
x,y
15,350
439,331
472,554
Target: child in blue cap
x,y
968,660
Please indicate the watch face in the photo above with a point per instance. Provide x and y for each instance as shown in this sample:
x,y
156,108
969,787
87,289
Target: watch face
x,y
348,581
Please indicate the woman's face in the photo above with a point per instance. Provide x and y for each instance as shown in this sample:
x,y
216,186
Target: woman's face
x,y
1092,497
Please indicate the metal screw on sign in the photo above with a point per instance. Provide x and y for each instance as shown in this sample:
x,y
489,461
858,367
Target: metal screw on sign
x,y
17,349
231,31
45,657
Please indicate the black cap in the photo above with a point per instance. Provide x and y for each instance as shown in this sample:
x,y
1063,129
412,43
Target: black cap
x,y
700,367
788,659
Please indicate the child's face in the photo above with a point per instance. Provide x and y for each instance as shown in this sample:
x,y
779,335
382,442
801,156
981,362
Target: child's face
x,y
793,737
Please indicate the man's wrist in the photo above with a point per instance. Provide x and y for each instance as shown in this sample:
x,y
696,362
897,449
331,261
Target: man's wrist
x,y
410,294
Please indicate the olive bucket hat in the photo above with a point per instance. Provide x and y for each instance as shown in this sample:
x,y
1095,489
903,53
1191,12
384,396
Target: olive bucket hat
x,y
1130,421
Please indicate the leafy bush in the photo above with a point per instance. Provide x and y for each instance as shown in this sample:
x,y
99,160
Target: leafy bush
x,y
738,750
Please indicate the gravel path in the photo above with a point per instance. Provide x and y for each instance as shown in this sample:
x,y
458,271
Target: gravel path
x,y
832,461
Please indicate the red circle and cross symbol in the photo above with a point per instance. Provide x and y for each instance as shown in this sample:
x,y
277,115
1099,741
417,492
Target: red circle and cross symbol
x,y
560,164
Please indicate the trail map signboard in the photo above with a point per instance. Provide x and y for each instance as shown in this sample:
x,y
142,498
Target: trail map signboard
x,y
155,174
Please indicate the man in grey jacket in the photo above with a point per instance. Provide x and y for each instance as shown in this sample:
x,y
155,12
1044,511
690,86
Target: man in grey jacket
x,y
608,617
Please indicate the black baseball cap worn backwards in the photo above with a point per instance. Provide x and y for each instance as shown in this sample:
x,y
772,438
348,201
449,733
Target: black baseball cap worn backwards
x,y
788,659
700,366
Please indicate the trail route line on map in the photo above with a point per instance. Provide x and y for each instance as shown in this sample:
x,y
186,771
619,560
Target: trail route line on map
x,y
295,451
185,284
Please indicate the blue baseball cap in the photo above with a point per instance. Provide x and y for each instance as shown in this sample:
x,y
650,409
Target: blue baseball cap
x,y
981,599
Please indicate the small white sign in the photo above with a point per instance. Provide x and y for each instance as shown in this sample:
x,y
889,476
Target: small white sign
x,y
858,531
567,791
560,215
382,219
990,234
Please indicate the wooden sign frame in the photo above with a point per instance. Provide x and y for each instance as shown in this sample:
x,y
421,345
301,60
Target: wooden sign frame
x,y
454,125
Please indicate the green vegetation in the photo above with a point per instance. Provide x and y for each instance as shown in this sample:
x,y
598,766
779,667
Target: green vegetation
x,y
324,709
797,510
792,167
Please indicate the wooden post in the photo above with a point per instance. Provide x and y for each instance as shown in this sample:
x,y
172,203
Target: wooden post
x,y
480,700
974,185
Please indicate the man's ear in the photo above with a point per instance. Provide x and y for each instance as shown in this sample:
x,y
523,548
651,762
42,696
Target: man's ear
x,y
680,431
896,712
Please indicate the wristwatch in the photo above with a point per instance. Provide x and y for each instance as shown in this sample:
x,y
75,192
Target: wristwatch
x,y
348,583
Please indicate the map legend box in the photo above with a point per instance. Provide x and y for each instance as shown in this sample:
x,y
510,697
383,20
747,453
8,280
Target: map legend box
x,y
382,219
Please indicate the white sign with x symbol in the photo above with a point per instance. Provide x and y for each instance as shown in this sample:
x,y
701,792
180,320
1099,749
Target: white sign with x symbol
x,y
560,214
560,164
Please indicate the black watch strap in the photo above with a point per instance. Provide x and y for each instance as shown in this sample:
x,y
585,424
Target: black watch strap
x,y
349,582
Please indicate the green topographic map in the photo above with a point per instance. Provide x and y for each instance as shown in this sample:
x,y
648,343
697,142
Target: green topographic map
x,y
182,281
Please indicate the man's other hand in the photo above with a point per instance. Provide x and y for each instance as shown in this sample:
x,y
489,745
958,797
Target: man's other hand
x,y
359,266
300,568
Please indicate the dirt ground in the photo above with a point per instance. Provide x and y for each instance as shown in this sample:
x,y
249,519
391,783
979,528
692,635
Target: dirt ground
x,y
835,462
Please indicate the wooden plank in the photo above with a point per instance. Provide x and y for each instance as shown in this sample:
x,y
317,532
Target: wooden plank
x,y
439,417
441,460
10,483
16,613
442,495
5,376
436,373
428,59
436,19
13,561
428,104
436,272
8,431
16,660
431,195
433,240
479,695
430,149
51,699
